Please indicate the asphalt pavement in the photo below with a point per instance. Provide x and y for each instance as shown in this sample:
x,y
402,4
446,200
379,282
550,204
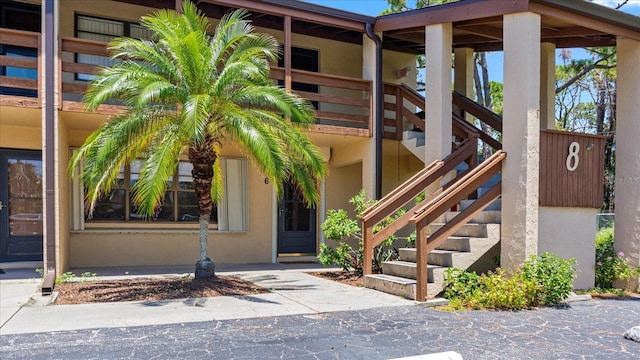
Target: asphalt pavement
x,y
304,317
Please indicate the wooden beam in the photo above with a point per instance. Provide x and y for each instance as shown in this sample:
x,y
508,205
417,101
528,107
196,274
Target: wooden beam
x,y
294,13
287,53
452,12
585,21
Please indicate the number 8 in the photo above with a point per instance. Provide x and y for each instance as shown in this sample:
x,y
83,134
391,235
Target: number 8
x,y
572,158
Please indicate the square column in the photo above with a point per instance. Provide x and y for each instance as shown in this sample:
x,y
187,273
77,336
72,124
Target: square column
x,y
627,188
369,54
438,106
548,86
521,138
463,65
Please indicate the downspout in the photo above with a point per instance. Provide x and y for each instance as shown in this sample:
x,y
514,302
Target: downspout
x,y
378,115
49,106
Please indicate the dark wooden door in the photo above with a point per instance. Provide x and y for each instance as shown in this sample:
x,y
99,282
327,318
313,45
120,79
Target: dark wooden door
x,y
296,225
21,211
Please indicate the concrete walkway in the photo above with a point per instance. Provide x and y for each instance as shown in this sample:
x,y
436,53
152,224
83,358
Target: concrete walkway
x,y
293,292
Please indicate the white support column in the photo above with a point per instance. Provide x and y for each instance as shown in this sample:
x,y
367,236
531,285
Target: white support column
x,y
369,156
548,86
463,73
521,138
438,106
627,188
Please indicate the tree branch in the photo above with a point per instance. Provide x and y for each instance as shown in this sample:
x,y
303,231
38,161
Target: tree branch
x,y
584,71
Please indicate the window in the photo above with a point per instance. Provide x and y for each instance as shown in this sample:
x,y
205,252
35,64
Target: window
x,y
180,202
24,17
179,207
105,30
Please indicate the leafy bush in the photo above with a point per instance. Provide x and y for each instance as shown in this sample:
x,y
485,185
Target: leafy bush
x,y
553,276
609,265
541,280
340,228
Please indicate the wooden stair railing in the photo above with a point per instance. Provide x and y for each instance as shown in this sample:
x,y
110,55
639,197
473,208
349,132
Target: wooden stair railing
x,y
481,113
431,209
404,193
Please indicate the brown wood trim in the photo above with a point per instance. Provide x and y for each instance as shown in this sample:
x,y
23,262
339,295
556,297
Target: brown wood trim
x,y
329,115
20,83
453,12
74,88
338,130
19,101
24,63
76,106
19,38
585,21
279,10
334,99
277,73
344,82
83,46
78,68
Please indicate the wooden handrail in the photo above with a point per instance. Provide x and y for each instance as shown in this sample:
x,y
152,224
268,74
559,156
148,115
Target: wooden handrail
x,y
402,195
22,38
439,204
483,114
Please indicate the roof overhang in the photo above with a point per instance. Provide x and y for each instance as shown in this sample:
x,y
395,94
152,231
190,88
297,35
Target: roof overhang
x,y
477,24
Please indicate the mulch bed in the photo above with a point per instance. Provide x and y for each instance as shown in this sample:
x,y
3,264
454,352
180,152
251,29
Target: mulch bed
x,y
346,277
153,289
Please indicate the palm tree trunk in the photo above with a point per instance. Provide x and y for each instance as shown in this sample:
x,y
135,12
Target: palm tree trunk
x,y
204,236
202,157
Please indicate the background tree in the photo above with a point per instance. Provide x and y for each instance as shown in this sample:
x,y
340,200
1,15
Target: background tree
x,y
184,93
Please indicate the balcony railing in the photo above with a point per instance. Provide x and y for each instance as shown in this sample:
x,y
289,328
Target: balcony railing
x,y
19,67
343,103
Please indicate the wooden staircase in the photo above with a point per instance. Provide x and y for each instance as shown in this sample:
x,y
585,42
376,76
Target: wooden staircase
x,y
444,238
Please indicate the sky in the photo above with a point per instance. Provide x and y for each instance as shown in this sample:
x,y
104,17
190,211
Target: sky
x,y
375,7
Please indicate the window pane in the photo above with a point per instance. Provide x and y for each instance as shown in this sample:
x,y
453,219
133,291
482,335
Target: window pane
x,y
185,181
188,206
165,213
100,26
110,207
139,32
25,197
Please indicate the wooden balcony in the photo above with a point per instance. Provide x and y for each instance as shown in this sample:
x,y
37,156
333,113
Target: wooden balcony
x,y
343,103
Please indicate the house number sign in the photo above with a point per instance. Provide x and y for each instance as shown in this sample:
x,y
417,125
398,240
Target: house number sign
x,y
573,159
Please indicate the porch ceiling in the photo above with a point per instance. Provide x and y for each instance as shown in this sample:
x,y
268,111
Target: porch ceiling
x,y
478,24
306,19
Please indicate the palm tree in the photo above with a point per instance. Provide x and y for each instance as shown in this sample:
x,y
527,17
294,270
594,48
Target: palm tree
x,y
185,91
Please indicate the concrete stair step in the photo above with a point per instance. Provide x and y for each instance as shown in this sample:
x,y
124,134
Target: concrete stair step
x,y
414,142
467,230
483,217
407,269
456,243
398,285
391,284
442,257
496,205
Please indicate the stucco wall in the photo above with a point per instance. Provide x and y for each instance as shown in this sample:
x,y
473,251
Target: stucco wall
x,y
570,233
112,247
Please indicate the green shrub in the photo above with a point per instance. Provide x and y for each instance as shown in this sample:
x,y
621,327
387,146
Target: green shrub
x,y
340,228
541,280
553,276
609,265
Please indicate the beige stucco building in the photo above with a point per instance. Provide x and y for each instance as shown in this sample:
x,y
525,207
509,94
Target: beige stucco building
x,y
353,68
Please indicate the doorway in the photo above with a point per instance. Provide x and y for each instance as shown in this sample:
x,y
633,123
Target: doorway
x,y
21,207
296,224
